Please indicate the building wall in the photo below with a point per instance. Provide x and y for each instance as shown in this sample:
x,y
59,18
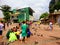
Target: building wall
x,y
55,18
52,18
23,14
58,19
31,18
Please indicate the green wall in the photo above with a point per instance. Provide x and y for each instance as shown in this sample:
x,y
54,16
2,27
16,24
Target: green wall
x,y
24,14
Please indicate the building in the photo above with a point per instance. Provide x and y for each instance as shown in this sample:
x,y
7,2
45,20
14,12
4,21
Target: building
x,y
55,17
44,20
54,14
22,14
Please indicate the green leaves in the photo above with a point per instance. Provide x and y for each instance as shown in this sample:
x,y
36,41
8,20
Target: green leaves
x,y
54,6
57,6
6,10
44,15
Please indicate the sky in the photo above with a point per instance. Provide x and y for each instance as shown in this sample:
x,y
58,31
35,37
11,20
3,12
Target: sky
x,y
39,6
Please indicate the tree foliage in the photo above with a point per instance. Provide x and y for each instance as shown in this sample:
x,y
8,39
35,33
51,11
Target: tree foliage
x,y
54,6
57,6
44,15
6,10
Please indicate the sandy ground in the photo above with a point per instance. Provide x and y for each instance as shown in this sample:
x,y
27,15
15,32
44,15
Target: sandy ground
x,y
41,35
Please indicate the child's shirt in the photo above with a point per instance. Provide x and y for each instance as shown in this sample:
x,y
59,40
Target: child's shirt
x,y
50,24
12,37
17,33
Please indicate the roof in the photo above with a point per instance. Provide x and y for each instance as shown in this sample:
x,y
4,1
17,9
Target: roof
x,y
55,13
22,10
25,8
44,19
31,9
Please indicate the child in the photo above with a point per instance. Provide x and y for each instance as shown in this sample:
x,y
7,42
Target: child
x,y
24,27
14,29
28,28
17,34
51,25
12,37
17,27
28,33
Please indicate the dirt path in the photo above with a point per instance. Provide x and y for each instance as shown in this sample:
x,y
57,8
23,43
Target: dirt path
x,y
41,36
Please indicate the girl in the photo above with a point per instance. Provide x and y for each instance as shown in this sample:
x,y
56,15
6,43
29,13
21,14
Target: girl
x,y
24,28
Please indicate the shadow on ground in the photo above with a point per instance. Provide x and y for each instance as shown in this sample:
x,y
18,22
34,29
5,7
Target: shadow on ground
x,y
56,38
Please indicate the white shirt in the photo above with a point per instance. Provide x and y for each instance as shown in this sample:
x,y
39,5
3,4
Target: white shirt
x,y
50,23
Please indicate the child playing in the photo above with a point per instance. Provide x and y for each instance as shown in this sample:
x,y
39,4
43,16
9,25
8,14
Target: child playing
x,y
24,28
28,33
12,37
51,25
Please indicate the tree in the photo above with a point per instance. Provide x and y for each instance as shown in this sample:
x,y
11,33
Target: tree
x,y
44,15
51,6
57,6
54,5
6,10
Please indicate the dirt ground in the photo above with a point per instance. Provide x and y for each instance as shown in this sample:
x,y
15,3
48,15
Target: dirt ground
x,y
41,35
